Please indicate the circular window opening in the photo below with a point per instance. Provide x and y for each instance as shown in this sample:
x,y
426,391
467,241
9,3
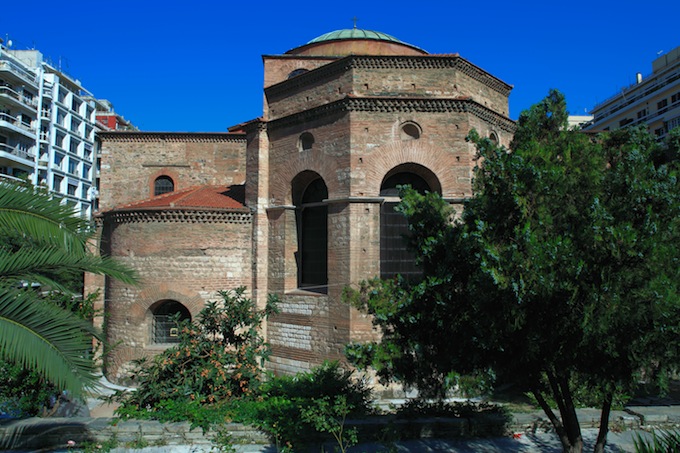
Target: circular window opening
x,y
410,131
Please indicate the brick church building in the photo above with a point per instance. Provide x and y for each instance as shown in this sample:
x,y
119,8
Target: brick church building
x,y
298,202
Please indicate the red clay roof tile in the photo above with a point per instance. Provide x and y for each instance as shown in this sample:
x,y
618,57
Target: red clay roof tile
x,y
211,197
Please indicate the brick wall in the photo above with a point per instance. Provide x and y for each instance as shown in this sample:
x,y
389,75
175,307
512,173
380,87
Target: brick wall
x,y
130,161
187,261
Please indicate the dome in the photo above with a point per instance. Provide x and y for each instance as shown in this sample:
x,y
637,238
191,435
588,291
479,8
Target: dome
x,y
356,41
355,33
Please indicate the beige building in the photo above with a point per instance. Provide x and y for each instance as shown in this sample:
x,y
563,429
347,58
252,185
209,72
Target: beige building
x,y
299,202
653,100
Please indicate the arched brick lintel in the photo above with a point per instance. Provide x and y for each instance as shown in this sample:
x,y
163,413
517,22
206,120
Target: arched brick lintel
x,y
392,155
150,295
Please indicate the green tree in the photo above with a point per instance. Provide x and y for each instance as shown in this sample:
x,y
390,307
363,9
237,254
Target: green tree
x,y
562,272
43,244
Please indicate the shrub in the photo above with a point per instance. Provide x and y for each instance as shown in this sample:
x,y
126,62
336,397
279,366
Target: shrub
x,y
217,358
294,410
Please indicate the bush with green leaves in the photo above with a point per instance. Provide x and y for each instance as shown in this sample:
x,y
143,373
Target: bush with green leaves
x,y
418,408
295,410
218,357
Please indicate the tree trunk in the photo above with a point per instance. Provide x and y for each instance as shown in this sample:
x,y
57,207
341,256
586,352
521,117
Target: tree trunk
x,y
568,429
568,445
604,424
569,417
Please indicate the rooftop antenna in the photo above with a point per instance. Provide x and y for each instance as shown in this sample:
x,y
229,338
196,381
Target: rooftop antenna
x,y
354,19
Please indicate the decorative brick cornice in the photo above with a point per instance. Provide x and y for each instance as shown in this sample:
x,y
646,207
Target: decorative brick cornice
x,y
402,105
179,216
178,137
408,62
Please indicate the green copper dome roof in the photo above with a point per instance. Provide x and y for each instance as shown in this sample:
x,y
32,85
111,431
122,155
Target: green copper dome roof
x,y
355,33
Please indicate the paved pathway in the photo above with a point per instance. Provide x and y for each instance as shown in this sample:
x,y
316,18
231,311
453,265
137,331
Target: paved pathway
x,y
544,443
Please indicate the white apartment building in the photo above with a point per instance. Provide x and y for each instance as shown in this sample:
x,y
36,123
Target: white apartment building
x,y
653,100
47,128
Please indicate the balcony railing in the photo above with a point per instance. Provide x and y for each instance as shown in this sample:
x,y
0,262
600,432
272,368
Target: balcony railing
x,y
9,92
16,122
16,151
17,70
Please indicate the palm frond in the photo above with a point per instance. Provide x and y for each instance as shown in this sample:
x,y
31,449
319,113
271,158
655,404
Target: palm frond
x,y
41,264
46,338
27,212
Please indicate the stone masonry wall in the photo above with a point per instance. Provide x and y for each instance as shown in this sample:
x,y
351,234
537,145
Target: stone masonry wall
x,y
182,261
130,162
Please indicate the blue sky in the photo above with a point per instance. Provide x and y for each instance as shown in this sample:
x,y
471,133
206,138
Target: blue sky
x,y
196,65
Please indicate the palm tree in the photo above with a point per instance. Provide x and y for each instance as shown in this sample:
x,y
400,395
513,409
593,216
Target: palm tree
x,y
43,242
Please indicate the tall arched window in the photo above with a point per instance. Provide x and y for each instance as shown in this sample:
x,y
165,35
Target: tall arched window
x,y
164,328
163,184
395,256
309,191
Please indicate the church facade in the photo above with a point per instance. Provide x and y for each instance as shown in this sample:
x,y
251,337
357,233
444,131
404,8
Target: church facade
x,y
299,202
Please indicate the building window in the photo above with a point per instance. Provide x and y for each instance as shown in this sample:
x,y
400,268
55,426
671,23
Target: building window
x,y
494,138
311,214
642,113
71,189
410,131
395,256
662,104
625,122
166,317
306,141
59,141
73,166
297,72
163,184
56,183
58,159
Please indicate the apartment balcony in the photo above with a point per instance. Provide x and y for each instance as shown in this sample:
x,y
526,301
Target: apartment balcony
x,y
19,72
15,151
4,176
13,123
17,99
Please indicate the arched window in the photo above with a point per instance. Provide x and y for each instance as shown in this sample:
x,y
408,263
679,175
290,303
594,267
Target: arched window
x,y
395,256
494,138
410,131
309,191
163,184
297,72
165,329
306,141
